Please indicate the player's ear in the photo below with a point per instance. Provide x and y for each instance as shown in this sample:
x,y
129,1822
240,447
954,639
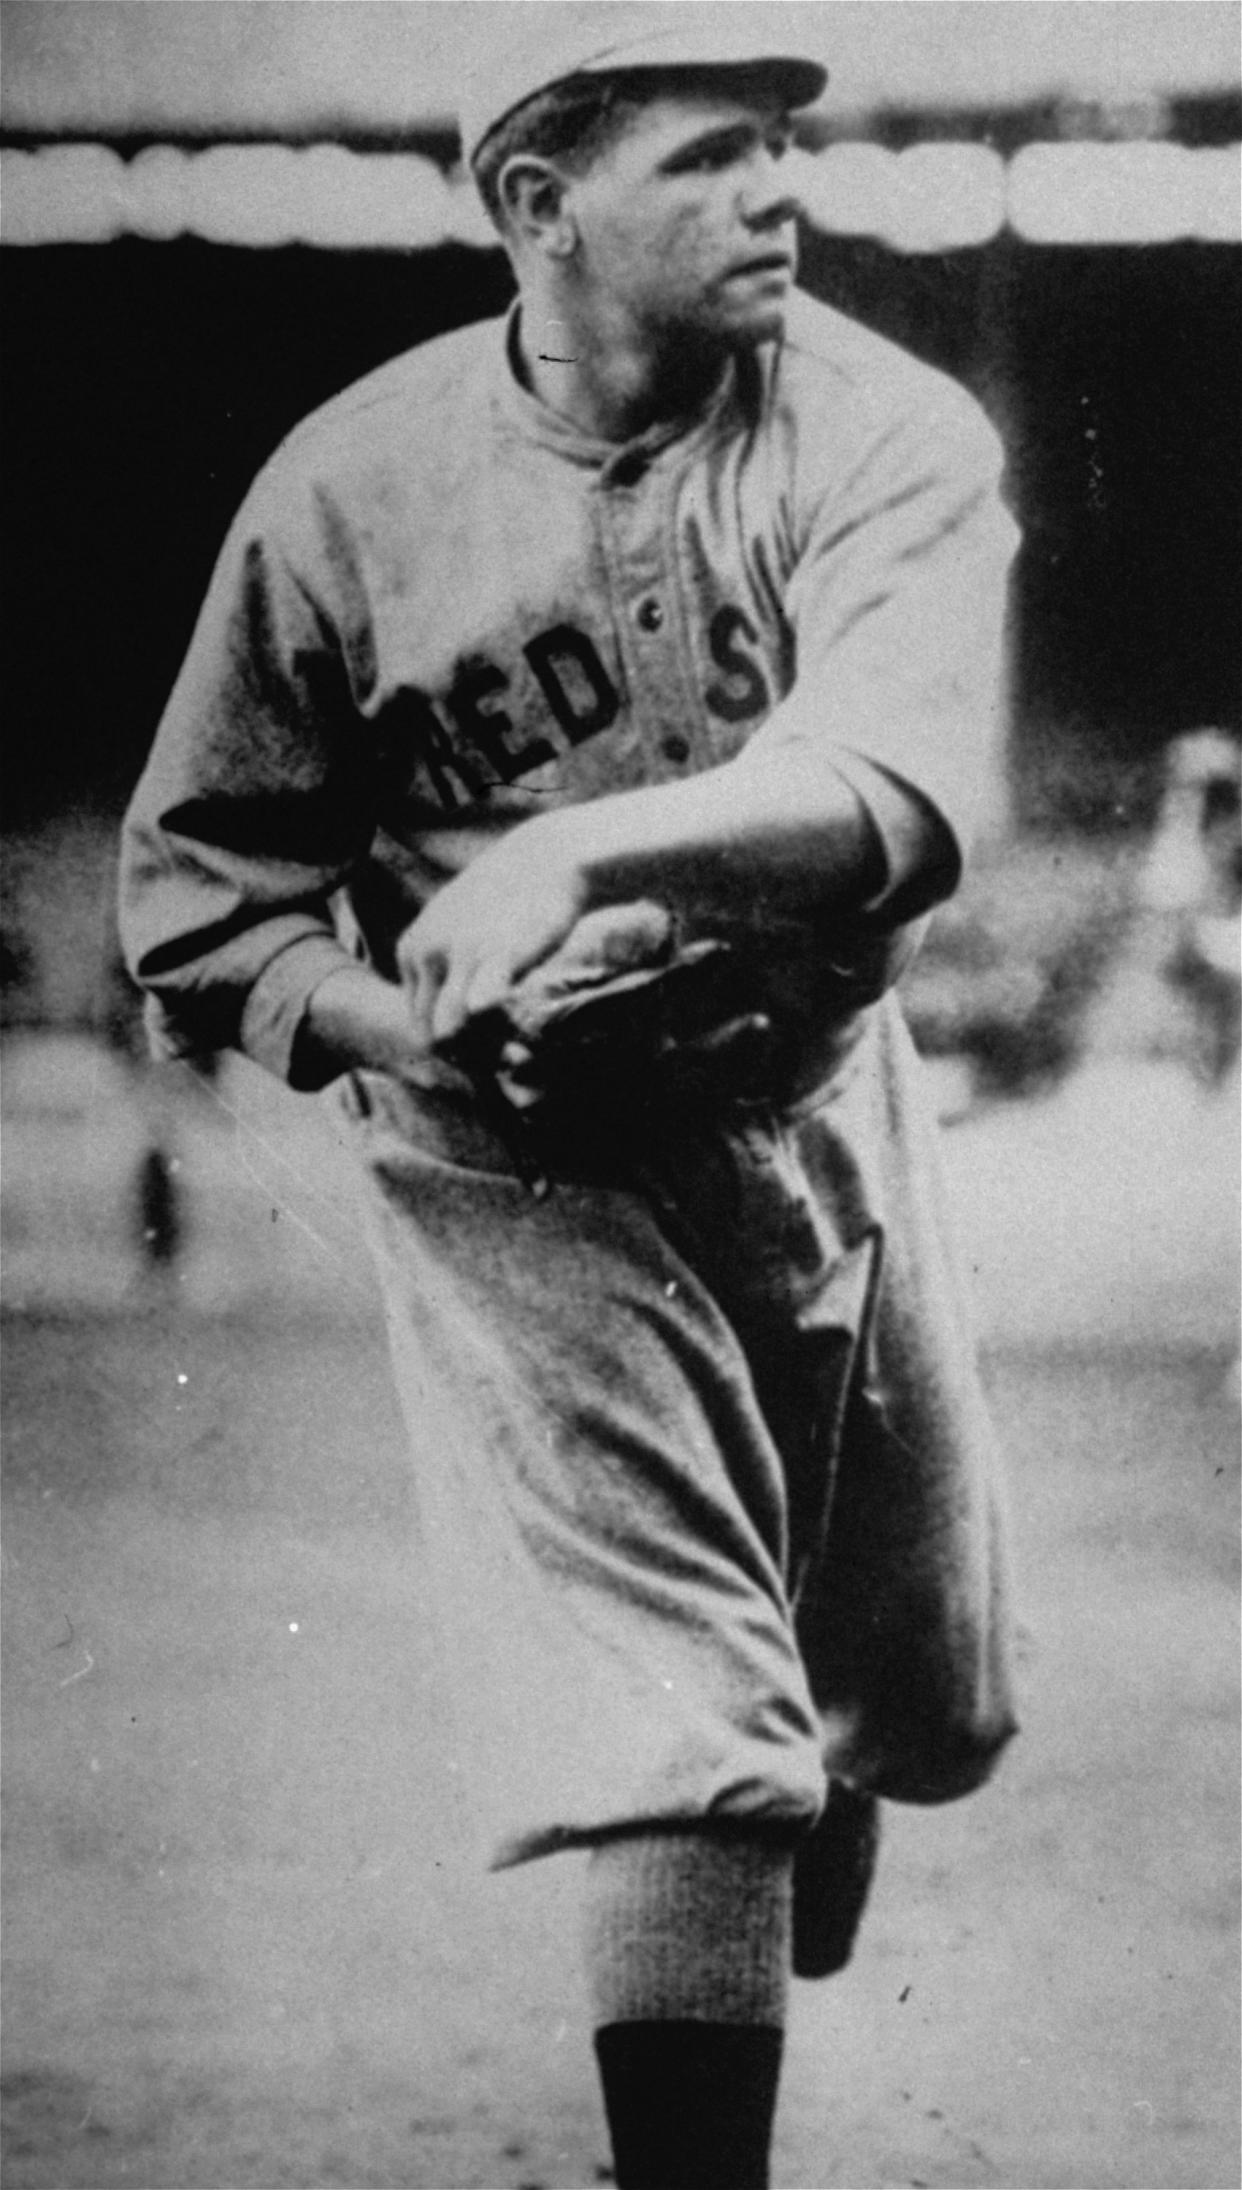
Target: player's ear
x,y
534,197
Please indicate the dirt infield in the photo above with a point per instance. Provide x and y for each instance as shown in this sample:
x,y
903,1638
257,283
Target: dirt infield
x,y
246,1943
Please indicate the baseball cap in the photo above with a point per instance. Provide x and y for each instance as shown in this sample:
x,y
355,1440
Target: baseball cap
x,y
596,37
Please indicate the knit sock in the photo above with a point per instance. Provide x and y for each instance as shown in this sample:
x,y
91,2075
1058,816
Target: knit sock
x,y
687,1952
689,1926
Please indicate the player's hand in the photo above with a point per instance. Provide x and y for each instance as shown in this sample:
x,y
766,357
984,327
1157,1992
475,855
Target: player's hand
x,y
504,914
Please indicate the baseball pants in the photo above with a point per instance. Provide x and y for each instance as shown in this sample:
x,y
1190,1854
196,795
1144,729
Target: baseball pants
x,y
627,1402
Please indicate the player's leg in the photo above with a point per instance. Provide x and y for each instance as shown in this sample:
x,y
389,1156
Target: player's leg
x,y
604,1514
833,1869
687,1954
601,1507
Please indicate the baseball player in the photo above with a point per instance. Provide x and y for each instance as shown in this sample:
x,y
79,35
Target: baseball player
x,y
585,713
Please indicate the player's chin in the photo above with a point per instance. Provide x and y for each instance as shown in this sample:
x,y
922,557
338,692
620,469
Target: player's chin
x,y
760,323
755,313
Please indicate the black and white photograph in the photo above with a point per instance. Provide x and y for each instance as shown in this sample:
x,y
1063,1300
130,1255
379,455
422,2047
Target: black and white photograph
x,y
621,929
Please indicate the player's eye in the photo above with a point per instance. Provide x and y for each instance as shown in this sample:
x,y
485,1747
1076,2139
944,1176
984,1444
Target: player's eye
x,y
728,148
711,154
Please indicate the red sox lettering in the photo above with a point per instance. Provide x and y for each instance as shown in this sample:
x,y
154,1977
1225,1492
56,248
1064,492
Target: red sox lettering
x,y
488,731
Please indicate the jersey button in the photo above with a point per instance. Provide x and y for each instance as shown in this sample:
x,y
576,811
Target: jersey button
x,y
676,748
650,615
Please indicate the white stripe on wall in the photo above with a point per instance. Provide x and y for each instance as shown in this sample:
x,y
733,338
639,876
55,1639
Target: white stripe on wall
x,y
930,197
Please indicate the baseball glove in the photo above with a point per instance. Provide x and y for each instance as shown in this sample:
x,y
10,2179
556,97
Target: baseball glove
x,y
623,1006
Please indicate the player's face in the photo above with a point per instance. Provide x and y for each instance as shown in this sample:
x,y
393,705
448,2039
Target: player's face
x,y
687,222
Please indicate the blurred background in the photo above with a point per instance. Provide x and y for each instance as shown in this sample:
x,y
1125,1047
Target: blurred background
x,y
236,1891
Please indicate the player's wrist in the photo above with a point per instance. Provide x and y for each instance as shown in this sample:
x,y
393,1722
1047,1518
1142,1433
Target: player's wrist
x,y
560,847
356,1020
597,848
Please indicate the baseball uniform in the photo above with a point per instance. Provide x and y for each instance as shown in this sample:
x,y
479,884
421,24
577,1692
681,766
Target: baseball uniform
x,y
708,1493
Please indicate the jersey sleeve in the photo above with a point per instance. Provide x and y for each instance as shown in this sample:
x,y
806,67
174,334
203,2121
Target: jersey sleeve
x,y
256,803
897,601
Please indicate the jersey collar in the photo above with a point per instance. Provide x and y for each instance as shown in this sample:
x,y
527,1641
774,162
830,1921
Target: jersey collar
x,y
523,410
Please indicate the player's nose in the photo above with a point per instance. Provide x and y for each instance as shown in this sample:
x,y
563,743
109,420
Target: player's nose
x,y
771,194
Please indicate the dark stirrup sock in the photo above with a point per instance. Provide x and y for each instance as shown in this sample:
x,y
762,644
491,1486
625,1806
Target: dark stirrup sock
x,y
833,1869
690,2105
